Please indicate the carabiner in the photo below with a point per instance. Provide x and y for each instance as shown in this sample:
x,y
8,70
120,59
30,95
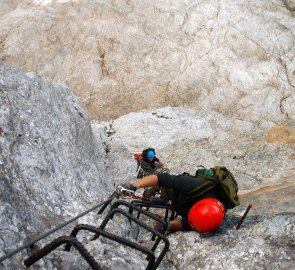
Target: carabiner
x,y
124,192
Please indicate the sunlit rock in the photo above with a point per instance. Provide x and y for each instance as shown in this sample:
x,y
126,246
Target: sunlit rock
x,y
232,57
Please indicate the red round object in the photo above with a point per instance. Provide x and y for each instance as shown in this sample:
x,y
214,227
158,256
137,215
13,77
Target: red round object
x,y
206,215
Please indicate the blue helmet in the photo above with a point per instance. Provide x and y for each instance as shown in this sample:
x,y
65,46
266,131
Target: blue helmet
x,y
150,154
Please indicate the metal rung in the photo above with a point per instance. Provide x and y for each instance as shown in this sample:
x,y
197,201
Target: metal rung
x,y
159,236
69,240
149,204
150,254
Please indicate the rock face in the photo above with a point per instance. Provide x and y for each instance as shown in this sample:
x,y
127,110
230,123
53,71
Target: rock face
x,y
262,159
51,165
265,242
203,82
8,6
232,57
260,156
54,165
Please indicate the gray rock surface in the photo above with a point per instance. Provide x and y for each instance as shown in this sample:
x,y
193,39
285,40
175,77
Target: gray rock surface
x,y
55,164
264,243
204,82
261,156
186,138
52,166
234,57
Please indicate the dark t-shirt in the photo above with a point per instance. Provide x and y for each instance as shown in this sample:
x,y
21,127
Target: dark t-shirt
x,y
153,162
186,191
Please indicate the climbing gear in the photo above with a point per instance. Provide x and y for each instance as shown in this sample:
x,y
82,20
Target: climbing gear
x,y
244,216
204,172
158,249
159,227
143,167
31,243
127,188
206,215
224,182
128,193
71,240
227,187
147,151
150,154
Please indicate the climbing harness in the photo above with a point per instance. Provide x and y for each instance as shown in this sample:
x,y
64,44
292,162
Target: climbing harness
x,y
144,168
154,254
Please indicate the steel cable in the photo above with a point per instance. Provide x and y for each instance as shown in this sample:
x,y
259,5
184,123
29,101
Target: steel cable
x,y
31,243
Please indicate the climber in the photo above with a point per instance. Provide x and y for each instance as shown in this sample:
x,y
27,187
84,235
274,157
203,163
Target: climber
x,y
148,155
194,199
150,164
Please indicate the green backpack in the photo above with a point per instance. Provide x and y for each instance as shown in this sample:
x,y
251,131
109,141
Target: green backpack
x,y
226,186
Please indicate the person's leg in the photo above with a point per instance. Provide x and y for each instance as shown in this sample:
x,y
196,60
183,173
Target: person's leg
x,y
166,193
175,225
148,181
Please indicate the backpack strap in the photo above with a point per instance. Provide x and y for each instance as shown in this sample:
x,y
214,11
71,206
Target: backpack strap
x,y
227,187
209,183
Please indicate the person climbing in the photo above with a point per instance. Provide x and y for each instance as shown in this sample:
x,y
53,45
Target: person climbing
x,y
157,166
196,200
148,155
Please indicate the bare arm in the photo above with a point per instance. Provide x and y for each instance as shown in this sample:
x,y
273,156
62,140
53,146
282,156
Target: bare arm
x,y
160,164
148,181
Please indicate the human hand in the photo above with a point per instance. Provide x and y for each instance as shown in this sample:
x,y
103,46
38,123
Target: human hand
x,y
129,187
151,191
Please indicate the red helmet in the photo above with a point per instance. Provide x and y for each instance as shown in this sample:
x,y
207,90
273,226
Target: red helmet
x,y
206,215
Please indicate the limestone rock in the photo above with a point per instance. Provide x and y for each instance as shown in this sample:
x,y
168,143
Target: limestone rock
x,y
217,79
232,57
8,6
261,244
52,167
186,138
262,160
55,163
